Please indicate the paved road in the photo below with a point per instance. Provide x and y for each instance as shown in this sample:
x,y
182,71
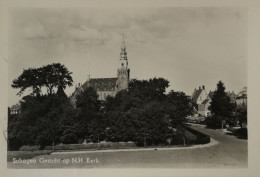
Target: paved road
x,y
230,152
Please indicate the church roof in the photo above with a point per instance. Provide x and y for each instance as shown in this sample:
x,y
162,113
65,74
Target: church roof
x,y
101,84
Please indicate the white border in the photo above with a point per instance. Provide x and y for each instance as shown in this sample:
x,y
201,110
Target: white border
x,y
253,87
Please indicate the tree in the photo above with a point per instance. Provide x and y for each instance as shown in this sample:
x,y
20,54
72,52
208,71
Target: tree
x,y
88,100
89,107
50,76
39,122
31,77
241,114
178,107
145,113
148,90
42,117
13,121
220,104
56,75
221,107
157,122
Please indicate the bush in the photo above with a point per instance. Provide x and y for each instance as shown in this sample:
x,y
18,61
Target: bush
x,y
214,121
29,148
201,137
241,133
14,144
101,145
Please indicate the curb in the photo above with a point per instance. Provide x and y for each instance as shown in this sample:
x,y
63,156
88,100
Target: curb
x,y
213,142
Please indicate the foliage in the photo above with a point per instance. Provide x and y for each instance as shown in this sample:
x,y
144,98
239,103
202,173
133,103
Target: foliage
x,y
148,90
44,119
241,114
13,127
145,113
41,116
88,105
50,76
214,121
220,104
242,133
178,107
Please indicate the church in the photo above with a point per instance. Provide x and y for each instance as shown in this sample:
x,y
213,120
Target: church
x,y
107,86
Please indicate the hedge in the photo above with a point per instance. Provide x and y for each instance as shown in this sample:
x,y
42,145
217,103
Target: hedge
x,y
201,137
102,145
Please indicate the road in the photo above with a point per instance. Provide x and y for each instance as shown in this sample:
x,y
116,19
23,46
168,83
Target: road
x,y
230,152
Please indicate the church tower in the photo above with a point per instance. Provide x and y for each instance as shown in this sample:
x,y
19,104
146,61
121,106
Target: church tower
x,y
123,72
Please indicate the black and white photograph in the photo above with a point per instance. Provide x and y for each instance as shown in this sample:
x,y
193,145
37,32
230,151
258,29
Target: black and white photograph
x,y
127,87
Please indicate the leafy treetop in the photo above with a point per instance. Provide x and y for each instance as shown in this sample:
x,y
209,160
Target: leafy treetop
x,y
50,76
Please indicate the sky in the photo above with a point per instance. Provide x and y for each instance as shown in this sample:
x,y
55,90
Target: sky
x,y
189,46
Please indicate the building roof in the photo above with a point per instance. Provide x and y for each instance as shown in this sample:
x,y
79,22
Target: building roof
x,y
17,106
205,101
196,94
101,84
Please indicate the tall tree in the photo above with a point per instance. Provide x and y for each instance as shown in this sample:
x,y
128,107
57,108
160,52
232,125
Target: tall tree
x,y
56,75
147,90
178,107
89,107
50,76
30,78
221,105
145,112
41,114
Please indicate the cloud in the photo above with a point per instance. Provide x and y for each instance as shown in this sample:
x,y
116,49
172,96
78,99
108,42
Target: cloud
x,y
197,40
30,30
87,36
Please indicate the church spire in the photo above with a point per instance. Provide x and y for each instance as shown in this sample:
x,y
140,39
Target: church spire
x,y
123,41
123,72
123,53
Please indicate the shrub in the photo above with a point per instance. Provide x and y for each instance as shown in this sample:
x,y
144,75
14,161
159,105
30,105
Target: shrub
x,y
102,145
214,122
242,133
14,144
201,137
29,148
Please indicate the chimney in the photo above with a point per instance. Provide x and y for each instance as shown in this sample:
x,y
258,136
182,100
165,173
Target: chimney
x,y
199,88
203,87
